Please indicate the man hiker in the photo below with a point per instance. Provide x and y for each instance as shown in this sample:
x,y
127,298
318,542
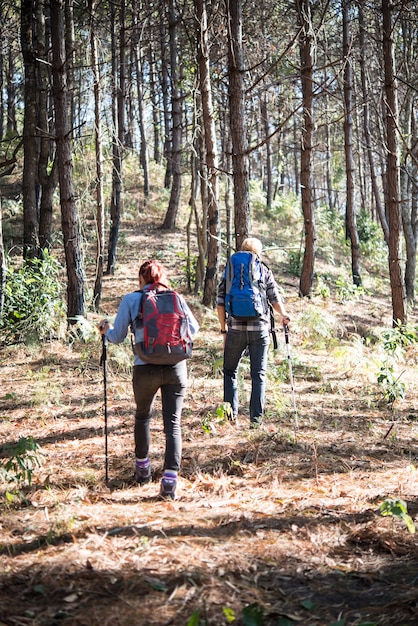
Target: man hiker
x,y
246,288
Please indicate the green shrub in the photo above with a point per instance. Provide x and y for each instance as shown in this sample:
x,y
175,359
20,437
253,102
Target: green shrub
x,y
33,304
25,456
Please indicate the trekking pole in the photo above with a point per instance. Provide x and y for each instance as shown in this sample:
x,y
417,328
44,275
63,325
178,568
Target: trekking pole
x,y
103,363
286,336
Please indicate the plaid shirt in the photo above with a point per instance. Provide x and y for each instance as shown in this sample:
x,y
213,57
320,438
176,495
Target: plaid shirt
x,y
272,293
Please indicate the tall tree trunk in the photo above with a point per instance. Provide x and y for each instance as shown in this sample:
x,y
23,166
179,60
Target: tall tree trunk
x,y
210,162
47,166
118,113
366,125
176,115
408,180
143,150
69,217
165,88
70,54
268,167
393,204
100,219
237,121
156,118
303,8
350,212
30,159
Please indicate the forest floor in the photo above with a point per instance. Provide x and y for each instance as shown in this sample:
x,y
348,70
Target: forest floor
x,y
275,526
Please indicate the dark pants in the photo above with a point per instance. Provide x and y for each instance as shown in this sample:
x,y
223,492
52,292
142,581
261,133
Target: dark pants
x,y
171,380
257,342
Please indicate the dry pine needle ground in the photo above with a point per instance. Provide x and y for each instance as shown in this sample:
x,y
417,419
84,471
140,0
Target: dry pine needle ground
x,y
284,519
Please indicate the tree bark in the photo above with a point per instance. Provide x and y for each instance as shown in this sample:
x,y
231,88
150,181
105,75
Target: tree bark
x,y
143,149
366,125
393,204
118,114
176,116
210,163
30,159
351,224
47,166
69,217
237,122
303,8
100,218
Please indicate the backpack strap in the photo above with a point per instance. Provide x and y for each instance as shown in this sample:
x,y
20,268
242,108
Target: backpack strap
x,y
139,314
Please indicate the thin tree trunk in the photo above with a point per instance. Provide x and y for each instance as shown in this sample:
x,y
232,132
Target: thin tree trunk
x,y
100,219
237,121
210,158
393,204
47,170
69,217
156,120
176,115
351,224
143,151
366,124
118,113
165,96
306,57
30,159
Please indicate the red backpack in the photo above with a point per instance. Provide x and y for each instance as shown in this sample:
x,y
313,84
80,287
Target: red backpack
x,y
162,315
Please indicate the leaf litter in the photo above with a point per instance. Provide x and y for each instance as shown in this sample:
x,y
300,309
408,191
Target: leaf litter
x,y
272,524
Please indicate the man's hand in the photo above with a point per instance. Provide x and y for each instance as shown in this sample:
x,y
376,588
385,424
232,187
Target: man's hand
x,y
103,326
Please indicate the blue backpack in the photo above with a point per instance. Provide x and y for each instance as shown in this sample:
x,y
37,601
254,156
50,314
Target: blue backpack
x,y
245,293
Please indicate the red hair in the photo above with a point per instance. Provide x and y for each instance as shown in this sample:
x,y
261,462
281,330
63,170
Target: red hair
x,y
153,272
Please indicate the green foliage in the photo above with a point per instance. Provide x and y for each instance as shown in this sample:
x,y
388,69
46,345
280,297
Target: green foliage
x,y
397,508
33,305
229,614
396,340
393,387
222,414
370,235
294,262
347,290
253,615
194,619
322,289
24,457
317,328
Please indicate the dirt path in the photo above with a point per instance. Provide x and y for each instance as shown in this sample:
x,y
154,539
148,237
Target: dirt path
x,y
274,526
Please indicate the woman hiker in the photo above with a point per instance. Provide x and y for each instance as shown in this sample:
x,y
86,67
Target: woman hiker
x,y
148,379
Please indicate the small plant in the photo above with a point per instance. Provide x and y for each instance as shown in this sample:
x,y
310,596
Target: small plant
x,y
222,414
24,457
294,258
347,290
396,340
317,328
397,508
33,303
393,387
322,289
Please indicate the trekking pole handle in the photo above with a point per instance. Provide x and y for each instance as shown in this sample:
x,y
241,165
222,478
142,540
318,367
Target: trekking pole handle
x,y
286,332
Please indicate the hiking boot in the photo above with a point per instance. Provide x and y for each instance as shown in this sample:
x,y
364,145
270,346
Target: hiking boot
x,y
168,488
255,422
142,473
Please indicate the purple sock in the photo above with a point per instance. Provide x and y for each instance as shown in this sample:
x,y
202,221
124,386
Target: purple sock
x,y
170,474
142,463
